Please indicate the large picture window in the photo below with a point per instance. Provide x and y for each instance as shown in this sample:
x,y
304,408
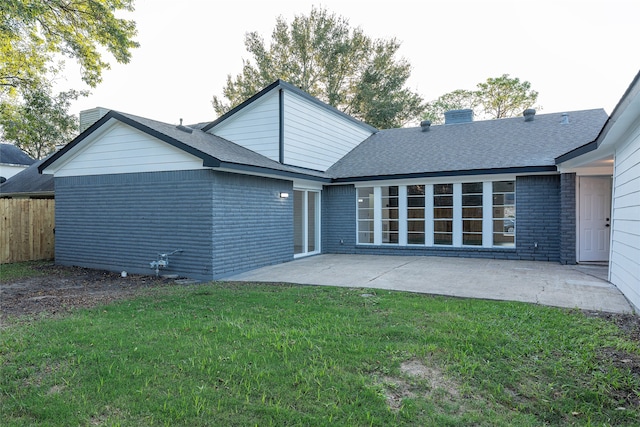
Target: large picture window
x,y
365,215
415,214
443,214
476,214
390,211
472,213
504,213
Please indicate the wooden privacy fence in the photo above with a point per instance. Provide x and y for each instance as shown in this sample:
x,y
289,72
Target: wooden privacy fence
x,y
26,229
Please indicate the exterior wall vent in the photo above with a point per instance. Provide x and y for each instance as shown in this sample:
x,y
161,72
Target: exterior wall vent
x,y
425,125
528,114
458,116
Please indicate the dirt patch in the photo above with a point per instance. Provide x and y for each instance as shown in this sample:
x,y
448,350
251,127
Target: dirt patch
x,y
61,289
411,383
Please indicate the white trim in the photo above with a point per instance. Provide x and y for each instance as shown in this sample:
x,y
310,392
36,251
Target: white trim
x,y
487,214
402,215
305,222
428,215
457,215
377,215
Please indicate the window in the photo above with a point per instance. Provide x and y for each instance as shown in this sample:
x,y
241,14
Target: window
x,y
443,214
365,215
415,214
472,213
504,213
390,210
464,214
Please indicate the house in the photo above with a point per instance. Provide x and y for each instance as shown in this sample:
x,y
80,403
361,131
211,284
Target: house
x,y
12,161
29,183
284,175
608,171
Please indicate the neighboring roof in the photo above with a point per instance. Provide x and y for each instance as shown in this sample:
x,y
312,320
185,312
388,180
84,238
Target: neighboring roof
x,y
280,84
491,146
213,150
28,182
12,155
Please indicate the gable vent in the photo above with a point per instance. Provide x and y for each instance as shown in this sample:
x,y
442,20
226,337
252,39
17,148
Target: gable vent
x,y
458,116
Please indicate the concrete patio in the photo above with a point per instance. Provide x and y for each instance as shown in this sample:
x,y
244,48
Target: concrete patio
x,y
546,283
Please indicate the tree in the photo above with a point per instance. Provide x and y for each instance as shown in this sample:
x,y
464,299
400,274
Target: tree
x,y
502,96
40,121
341,66
497,98
456,100
35,33
36,37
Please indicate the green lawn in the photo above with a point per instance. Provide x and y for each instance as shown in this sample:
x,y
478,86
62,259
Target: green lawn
x,y
273,355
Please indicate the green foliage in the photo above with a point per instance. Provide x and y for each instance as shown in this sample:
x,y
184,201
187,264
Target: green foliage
x,y
497,98
341,66
39,121
456,100
36,37
256,354
34,33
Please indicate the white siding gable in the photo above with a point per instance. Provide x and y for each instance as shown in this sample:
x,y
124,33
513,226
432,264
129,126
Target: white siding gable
x,y
625,239
122,149
255,127
316,138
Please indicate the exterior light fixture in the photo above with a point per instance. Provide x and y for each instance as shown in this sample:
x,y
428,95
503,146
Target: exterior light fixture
x,y
284,195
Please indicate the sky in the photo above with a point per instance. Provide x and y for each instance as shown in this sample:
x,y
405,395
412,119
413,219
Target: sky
x,y
577,54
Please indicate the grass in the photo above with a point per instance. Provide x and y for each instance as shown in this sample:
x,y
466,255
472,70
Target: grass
x,y
273,355
18,270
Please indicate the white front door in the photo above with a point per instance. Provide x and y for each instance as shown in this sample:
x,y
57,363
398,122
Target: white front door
x,y
306,222
594,218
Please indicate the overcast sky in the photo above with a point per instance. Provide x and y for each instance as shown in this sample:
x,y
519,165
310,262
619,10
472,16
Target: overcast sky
x,y
576,54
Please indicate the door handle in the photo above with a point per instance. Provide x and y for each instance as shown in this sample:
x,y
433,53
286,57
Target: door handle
x,y
607,225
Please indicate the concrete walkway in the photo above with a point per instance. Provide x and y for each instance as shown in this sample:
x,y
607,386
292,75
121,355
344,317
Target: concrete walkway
x,y
546,283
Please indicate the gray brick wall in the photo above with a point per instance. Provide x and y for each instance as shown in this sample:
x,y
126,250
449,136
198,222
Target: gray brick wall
x,y
223,222
568,218
538,221
121,222
538,217
252,225
339,219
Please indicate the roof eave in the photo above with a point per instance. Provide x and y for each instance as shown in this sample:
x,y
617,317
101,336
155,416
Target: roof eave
x,y
469,172
239,167
288,86
208,161
577,152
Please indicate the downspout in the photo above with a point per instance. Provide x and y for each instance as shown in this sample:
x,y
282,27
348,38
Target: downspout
x,y
281,125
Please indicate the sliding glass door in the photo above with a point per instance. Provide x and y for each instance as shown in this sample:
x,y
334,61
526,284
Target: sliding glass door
x,y
306,222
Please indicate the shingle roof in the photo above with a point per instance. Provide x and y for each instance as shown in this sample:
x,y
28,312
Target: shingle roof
x,y
28,182
214,150
477,146
10,154
490,146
